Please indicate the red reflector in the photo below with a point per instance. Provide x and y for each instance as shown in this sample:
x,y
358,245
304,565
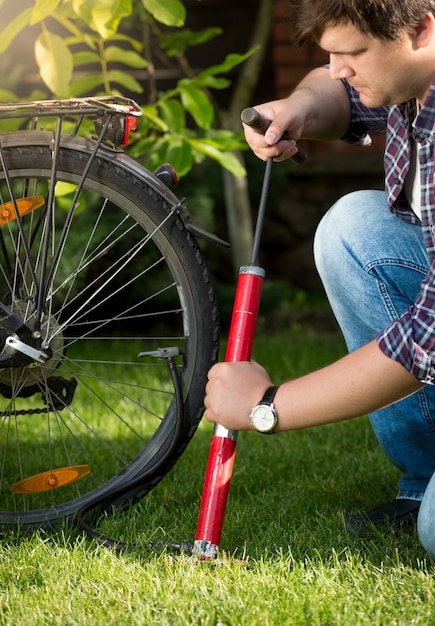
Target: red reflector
x,y
130,124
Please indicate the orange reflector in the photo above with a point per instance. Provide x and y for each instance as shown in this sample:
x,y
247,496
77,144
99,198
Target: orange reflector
x,y
53,479
24,206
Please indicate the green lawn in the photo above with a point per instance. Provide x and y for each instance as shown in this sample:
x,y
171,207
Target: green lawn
x,y
285,555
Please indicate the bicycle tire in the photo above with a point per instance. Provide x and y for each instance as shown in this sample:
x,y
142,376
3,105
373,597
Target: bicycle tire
x,y
95,311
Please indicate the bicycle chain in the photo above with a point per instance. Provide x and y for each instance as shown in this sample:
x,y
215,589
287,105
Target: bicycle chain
x,y
45,409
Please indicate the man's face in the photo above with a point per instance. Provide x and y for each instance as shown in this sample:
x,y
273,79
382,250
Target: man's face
x,y
383,72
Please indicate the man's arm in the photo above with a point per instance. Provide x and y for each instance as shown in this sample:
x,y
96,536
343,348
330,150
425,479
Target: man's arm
x,y
319,108
359,383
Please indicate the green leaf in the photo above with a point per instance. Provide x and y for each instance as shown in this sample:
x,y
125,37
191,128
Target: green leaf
x,y
85,57
85,84
7,96
157,153
134,43
71,27
197,103
10,124
228,160
176,42
230,61
43,9
126,80
151,113
108,14
103,16
168,12
114,54
64,194
179,155
172,113
11,30
226,139
213,82
65,189
55,63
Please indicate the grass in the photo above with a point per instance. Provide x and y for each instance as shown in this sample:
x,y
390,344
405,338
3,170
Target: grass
x,y
285,555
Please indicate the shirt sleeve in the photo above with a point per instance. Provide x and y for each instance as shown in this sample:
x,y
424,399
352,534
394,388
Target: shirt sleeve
x,y
410,339
364,121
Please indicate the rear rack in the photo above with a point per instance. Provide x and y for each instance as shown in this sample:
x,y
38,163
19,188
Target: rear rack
x,y
113,116
71,106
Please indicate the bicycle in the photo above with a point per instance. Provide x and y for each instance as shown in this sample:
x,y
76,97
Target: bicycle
x,y
97,331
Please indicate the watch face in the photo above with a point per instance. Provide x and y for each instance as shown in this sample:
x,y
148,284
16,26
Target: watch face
x,y
263,418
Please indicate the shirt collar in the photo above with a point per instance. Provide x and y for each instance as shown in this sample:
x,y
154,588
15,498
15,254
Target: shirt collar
x,y
424,122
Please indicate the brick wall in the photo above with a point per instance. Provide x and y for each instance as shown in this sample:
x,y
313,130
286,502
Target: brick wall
x,y
290,63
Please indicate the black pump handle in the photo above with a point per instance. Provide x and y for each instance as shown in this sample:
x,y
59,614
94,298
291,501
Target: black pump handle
x,y
255,120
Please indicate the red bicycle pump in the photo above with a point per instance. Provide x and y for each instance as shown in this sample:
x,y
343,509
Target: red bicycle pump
x,y
240,340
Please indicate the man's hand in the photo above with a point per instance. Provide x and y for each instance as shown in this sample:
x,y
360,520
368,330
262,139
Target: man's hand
x,y
319,108
233,389
283,119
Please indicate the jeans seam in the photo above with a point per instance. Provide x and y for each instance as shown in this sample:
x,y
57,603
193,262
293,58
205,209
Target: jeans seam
x,y
370,268
430,422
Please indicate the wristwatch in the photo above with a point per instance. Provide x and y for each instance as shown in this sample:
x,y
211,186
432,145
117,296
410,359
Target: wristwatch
x,y
263,416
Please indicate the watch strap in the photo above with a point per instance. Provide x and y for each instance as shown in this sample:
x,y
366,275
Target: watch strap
x,y
269,395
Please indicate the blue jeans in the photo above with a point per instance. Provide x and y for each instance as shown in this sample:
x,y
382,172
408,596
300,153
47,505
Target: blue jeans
x,y
371,264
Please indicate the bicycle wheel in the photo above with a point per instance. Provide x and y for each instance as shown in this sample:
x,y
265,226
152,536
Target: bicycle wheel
x,y
88,283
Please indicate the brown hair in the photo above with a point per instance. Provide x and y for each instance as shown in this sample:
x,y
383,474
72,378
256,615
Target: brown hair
x,y
383,19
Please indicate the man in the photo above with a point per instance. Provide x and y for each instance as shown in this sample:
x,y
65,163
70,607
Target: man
x,y
375,251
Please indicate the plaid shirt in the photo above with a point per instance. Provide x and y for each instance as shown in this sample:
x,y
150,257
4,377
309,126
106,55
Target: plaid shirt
x,y
410,339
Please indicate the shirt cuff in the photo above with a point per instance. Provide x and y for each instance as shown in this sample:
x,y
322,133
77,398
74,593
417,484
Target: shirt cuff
x,y
398,344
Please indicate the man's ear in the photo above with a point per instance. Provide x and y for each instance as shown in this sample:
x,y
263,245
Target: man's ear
x,y
424,31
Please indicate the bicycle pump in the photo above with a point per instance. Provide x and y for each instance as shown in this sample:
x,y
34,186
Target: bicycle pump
x,y
239,348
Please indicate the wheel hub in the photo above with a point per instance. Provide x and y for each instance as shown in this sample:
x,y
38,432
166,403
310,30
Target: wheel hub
x,y
24,361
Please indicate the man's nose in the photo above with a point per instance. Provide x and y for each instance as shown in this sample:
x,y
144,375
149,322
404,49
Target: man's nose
x,y
338,68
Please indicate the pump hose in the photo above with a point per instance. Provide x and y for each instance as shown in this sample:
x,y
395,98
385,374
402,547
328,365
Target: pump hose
x,y
104,503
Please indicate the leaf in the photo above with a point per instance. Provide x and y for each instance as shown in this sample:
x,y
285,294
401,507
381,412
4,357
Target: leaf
x,y
85,84
151,113
157,154
103,16
10,124
230,61
126,80
179,155
85,57
197,103
168,12
175,42
228,160
70,26
7,96
108,14
134,43
55,63
115,54
14,28
43,9
226,139
172,113
65,189
213,82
